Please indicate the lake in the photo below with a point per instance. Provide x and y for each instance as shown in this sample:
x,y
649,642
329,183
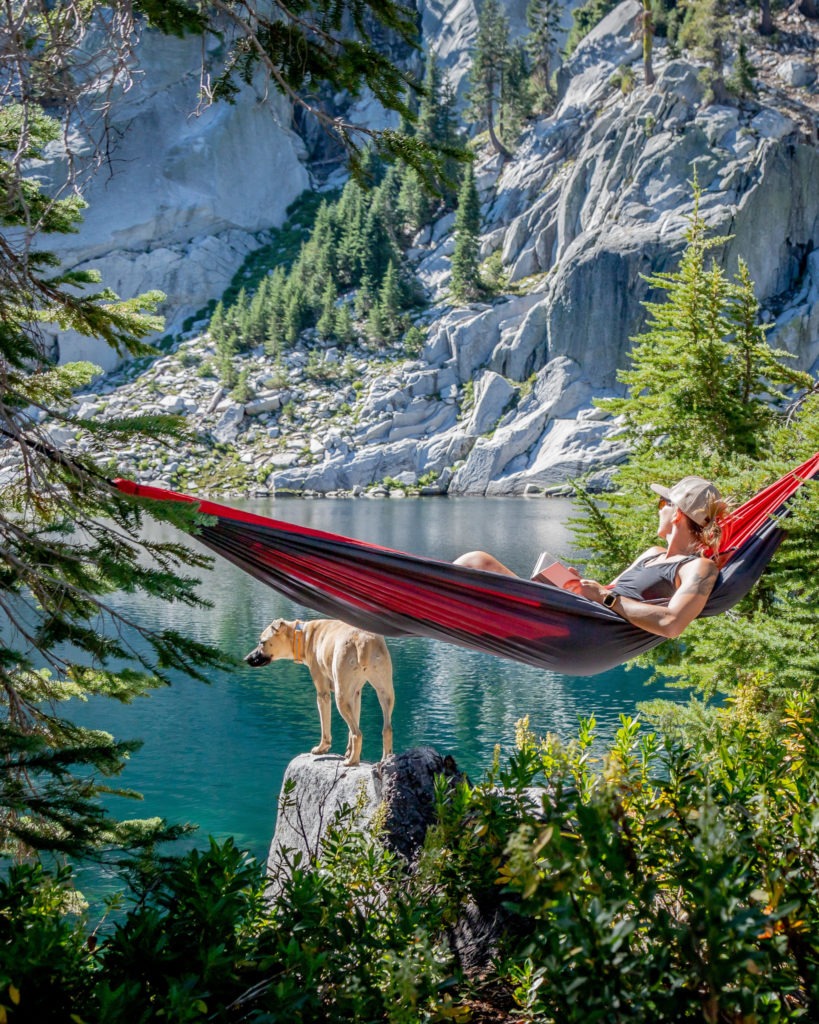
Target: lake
x,y
215,754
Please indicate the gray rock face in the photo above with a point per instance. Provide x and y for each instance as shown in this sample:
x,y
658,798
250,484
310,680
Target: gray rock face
x,y
185,196
316,788
595,199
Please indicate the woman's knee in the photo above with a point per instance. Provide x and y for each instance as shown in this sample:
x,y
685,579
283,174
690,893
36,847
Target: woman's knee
x,y
473,559
480,560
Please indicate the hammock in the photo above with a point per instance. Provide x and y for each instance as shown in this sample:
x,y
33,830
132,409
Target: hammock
x,y
398,594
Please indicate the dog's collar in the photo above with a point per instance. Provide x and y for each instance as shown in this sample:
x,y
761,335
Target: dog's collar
x,y
298,641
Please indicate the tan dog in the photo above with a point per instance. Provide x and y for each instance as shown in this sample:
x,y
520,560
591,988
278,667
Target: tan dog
x,y
341,660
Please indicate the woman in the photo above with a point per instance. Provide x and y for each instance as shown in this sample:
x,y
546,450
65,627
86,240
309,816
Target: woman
x,y
678,574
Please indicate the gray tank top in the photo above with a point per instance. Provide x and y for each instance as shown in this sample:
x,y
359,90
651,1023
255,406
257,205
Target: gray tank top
x,y
655,582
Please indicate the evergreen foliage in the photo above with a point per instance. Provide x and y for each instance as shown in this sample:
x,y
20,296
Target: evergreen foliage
x,y
466,283
703,360
68,541
584,18
499,97
741,81
707,395
350,258
543,18
705,30
677,881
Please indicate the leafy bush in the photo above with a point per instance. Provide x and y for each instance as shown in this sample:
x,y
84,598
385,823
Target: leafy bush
x,y
674,884
670,882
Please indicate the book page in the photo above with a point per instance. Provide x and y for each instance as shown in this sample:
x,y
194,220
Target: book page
x,y
549,569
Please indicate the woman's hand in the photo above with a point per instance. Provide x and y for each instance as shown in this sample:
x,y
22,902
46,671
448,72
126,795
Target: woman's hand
x,y
590,589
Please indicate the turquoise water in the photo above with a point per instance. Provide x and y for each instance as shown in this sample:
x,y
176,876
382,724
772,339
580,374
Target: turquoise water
x,y
215,754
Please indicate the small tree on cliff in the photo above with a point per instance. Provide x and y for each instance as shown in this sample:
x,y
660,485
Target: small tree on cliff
x,y
489,66
466,282
705,31
543,18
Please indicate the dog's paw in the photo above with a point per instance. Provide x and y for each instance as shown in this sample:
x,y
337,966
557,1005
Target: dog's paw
x,y
320,749
348,762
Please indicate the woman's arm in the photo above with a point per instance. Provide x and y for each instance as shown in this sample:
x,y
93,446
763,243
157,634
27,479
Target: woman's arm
x,y
697,580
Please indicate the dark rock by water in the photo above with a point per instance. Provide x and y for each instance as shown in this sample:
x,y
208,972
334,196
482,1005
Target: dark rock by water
x,y
316,788
400,791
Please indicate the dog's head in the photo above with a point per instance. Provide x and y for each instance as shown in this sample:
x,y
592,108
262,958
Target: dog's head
x,y
275,642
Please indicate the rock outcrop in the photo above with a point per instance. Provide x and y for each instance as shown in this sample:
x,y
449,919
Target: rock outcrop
x,y
182,199
315,789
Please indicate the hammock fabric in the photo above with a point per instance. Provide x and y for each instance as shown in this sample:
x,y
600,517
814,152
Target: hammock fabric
x,y
398,594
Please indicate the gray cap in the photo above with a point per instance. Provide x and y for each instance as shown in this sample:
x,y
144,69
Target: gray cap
x,y
695,496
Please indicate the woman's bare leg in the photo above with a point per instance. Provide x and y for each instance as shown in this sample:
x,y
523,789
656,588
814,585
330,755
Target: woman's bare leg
x,y
482,560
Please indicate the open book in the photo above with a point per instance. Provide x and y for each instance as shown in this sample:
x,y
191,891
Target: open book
x,y
549,570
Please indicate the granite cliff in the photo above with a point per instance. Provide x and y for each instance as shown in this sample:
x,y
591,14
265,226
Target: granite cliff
x,y
499,401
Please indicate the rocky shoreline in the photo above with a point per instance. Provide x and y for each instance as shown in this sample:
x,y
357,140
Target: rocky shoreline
x,y
323,422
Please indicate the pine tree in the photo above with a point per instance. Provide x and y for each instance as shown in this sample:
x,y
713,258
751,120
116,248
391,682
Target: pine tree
x,y
344,325
741,81
257,314
516,92
68,539
466,284
707,395
389,303
351,217
216,327
375,326
439,124
428,125
717,372
275,312
326,324
489,65
413,204
705,30
543,18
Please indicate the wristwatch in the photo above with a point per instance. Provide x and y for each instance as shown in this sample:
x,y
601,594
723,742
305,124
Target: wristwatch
x,y
610,599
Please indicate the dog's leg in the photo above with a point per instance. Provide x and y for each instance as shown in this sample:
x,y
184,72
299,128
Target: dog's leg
x,y
381,682
349,707
379,676
323,695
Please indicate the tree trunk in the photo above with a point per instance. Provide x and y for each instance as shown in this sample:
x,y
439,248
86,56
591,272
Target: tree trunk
x,y
648,43
497,145
766,25
810,8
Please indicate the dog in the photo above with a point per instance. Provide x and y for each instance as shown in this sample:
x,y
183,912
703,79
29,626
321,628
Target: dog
x,y
341,660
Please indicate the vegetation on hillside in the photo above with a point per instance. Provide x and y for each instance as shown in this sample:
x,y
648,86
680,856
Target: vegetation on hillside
x,y
67,539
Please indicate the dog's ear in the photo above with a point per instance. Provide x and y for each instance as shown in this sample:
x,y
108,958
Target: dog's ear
x,y
271,630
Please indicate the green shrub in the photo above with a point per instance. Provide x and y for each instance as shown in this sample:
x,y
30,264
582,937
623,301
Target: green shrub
x,y
670,884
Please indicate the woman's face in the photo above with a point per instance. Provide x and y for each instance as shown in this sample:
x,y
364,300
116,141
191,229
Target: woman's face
x,y
665,512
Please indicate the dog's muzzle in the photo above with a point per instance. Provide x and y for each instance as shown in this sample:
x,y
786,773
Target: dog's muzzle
x,y
257,658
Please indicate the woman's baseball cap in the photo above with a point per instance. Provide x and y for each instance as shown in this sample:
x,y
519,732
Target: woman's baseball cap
x,y
696,497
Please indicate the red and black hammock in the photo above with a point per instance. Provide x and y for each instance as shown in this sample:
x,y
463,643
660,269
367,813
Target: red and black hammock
x,y
399,594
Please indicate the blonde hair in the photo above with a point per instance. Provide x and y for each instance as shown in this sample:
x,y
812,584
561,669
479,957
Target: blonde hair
x,y
708,536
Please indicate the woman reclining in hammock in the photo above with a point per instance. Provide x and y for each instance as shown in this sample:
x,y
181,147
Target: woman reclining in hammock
x,y
678,574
